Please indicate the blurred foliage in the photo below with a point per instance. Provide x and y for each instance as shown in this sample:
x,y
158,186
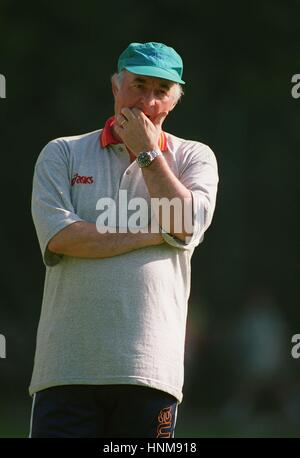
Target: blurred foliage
x,y
239,58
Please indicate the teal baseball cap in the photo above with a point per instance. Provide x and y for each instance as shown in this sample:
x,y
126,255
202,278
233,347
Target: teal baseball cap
x,y
152,59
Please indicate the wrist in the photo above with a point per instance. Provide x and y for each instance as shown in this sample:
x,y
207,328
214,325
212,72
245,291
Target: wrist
x,y
145,148
145,158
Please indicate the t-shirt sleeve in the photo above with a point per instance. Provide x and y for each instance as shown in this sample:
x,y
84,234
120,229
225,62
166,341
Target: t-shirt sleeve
x,y
199,174
51,205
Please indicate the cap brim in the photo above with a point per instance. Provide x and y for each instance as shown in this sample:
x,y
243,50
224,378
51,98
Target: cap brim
x,y
156,72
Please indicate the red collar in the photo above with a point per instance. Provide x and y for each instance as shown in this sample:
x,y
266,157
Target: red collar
x,y
106,136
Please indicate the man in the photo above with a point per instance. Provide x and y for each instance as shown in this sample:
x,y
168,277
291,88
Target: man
x,y
110,343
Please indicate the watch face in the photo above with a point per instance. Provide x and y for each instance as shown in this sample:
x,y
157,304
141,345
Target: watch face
x,y
144,159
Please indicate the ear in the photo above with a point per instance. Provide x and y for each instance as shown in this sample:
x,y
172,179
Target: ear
x,y
115,84
173,106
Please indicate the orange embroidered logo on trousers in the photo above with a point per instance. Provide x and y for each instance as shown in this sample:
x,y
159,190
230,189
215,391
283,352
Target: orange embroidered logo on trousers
x,y
164,422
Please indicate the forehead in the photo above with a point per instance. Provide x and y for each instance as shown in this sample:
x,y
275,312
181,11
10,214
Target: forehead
x,y
148,80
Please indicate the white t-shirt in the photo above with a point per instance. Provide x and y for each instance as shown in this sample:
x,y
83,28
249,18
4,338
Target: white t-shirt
x,y
117,320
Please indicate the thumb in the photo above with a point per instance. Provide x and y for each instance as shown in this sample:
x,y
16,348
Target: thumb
x,y
160,118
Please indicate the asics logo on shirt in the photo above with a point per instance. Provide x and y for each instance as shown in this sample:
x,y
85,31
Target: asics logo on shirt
x,y
81,179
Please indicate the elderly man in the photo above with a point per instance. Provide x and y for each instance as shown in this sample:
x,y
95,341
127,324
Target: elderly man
x,y
109,357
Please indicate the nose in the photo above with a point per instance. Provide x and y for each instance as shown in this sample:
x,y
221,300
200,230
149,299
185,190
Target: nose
x,y
148,99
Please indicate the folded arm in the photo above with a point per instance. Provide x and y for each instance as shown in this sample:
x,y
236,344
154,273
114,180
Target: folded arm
x,y
81,239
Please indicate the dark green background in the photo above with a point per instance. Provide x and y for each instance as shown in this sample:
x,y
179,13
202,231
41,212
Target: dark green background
x,y
239,59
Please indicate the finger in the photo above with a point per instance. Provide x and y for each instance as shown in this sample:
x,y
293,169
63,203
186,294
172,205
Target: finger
x,y
128,113
121,120
144,118
137,112
119,131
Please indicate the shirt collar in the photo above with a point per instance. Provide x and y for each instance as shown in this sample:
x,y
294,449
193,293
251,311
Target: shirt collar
x,y
106,136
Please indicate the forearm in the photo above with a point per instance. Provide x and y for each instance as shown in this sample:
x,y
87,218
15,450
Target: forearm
x,y
161,182
81,239
140,134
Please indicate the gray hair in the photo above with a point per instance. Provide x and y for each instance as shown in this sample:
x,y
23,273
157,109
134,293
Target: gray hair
x,y
178,89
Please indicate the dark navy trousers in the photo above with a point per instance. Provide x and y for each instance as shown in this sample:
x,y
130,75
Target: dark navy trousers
x,y
103,411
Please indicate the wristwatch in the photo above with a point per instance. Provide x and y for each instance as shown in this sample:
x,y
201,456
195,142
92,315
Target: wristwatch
x,y
144,159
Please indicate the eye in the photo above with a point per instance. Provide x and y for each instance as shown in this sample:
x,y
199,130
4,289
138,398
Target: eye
x,y
162,92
